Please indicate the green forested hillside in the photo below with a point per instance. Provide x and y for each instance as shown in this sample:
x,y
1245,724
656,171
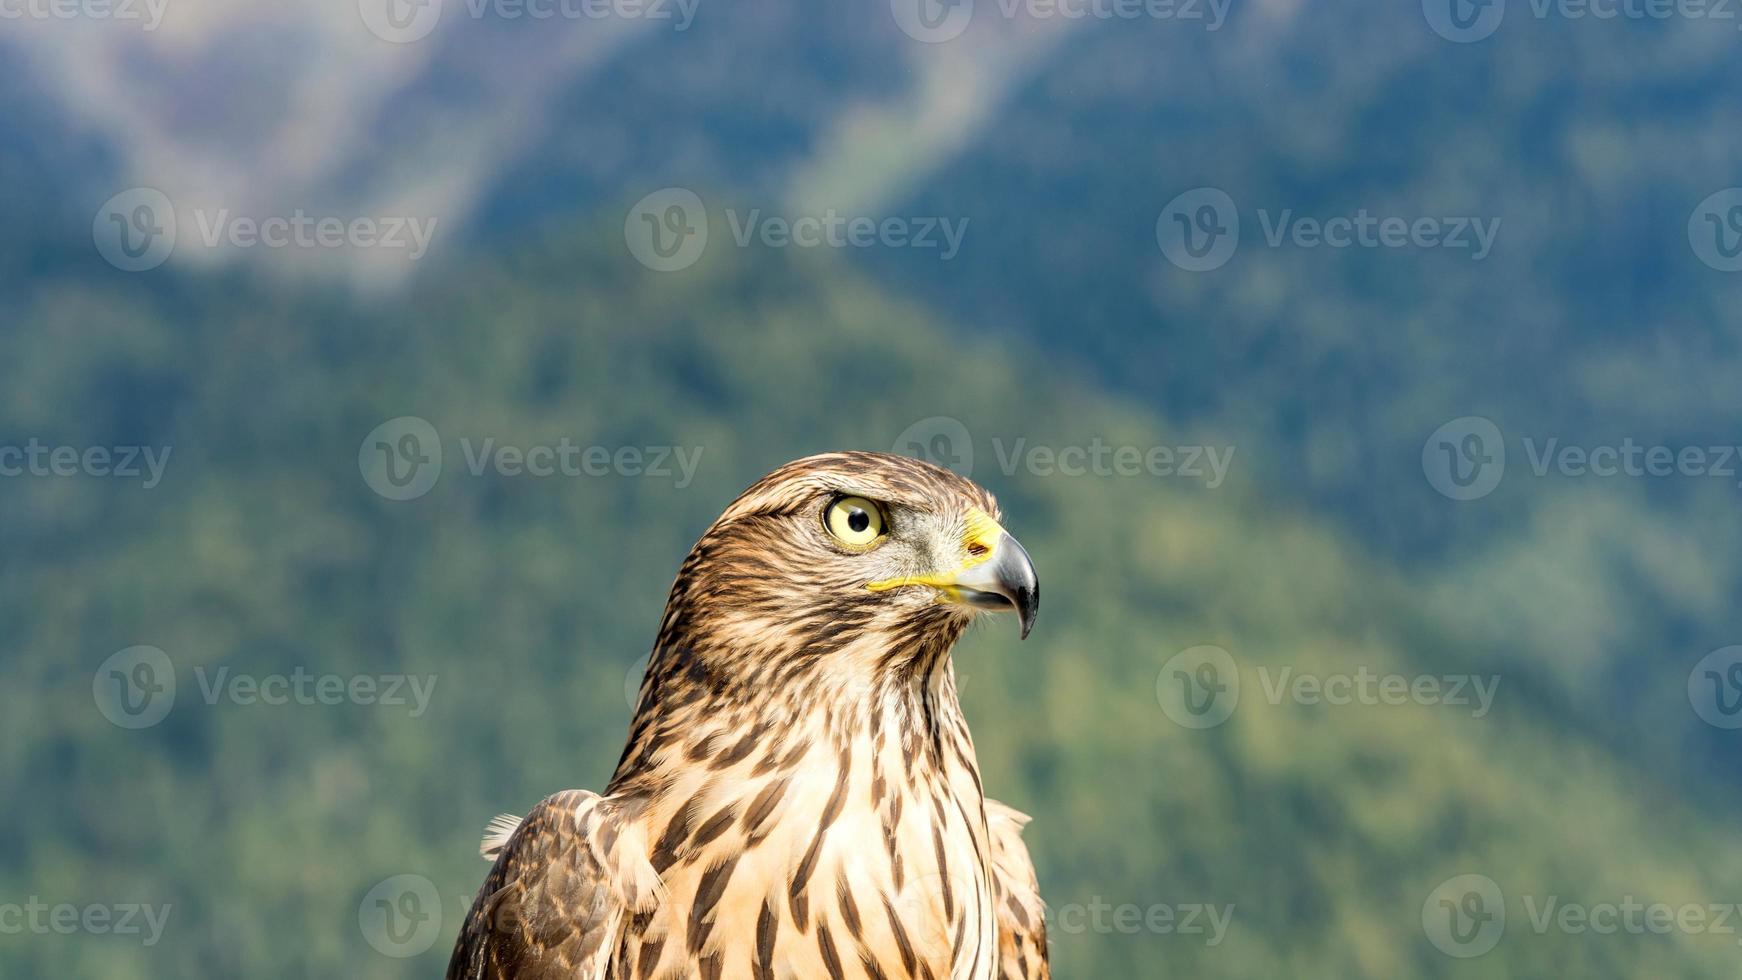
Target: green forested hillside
x,y
530,600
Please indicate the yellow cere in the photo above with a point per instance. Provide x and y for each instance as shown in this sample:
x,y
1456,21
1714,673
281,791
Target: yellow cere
x,y
979,540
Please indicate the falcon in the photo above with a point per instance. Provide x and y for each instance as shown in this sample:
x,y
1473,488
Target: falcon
x,y
798,796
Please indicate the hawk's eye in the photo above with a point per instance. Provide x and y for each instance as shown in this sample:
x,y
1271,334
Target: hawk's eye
x,y
854,521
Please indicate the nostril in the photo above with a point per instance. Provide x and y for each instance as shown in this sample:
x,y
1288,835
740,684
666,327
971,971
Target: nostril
x,y
978,550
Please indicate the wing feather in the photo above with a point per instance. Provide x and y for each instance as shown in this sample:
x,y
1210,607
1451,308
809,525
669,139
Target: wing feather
x,y
555,901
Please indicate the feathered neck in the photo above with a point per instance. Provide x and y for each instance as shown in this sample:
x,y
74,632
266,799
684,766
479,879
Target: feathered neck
x,y
709,705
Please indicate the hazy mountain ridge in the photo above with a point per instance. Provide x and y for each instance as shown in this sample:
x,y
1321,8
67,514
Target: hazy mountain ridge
x,y
530,600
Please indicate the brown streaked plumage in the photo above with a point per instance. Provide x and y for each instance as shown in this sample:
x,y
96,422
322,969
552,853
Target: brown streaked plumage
x,y
799,796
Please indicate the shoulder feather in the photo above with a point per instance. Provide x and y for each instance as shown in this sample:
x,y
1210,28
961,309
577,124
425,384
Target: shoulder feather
x,y
555,900
1022,952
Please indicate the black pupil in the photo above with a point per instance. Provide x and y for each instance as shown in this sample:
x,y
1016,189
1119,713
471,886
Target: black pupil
x,y
858,520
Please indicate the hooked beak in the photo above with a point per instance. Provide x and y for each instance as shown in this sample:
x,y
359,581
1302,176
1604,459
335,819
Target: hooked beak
x,y
998,574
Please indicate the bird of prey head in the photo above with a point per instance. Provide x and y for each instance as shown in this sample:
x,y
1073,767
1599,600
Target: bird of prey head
x,y
872,559
798,795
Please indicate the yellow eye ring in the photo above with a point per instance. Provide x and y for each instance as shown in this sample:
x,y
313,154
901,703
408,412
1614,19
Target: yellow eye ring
x,y
854,521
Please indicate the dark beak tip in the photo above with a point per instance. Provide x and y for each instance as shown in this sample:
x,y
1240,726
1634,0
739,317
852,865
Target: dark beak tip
x,y
1027,607
1023,585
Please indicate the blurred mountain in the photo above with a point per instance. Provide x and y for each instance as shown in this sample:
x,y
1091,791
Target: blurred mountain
x,y
529,601
1061,143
